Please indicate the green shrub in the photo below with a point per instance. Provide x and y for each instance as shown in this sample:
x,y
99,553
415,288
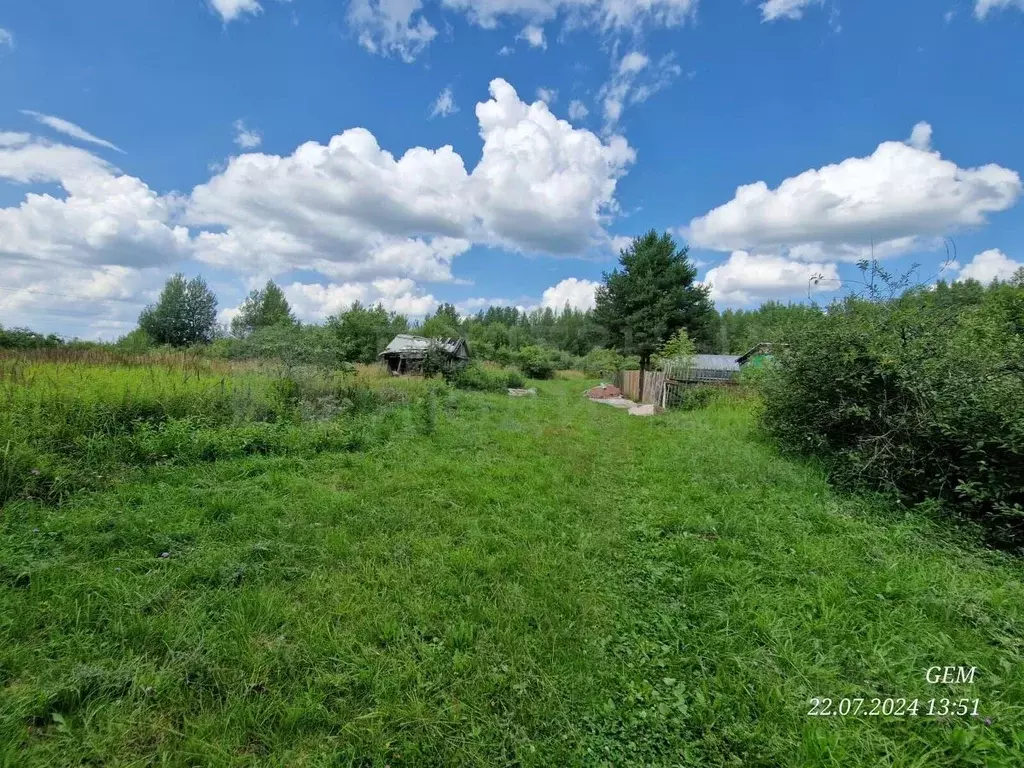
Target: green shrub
x,y
308,345
437,362
696,397
536,362
135,342
602,362
922,395
480,379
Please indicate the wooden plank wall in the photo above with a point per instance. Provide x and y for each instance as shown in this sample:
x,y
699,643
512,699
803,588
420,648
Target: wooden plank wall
x,y
629,383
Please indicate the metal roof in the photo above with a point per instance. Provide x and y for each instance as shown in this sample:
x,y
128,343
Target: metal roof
x,y
710,363
703,368
405,343
716,362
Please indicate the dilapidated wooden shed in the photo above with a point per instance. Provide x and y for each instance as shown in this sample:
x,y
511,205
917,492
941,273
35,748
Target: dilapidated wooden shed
x,y
406,353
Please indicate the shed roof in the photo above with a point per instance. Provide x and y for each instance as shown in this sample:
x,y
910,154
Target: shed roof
x,y
713,363
405,343
703,368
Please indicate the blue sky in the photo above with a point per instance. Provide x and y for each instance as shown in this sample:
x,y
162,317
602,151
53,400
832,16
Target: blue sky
x,y
495,151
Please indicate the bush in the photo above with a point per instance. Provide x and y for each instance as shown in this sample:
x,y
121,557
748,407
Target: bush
x,y
696,397
535,362
922,395
136,342
480,379
290,344
602,361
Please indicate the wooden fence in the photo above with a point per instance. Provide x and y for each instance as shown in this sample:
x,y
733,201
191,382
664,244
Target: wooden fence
x,y
654,385
663,390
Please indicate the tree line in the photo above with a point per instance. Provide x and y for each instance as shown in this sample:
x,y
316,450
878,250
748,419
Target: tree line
x,y
650,298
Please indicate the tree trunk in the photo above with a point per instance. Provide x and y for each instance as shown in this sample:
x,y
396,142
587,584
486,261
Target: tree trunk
x,y
643,375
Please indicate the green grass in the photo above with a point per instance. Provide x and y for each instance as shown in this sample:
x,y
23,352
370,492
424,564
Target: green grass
x,y
497,581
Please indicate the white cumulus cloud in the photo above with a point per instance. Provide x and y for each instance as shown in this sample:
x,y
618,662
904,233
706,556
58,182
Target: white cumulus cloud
x,y
990,265
534,36
104,218
6,38
578,294
548,95
921,137
312,302
900,195
105,299
747,277
577,110
351,210
391,27
541,184
348,209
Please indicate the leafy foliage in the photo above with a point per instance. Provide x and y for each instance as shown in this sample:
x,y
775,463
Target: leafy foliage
x,y
263,308
922,395
363,332
679,346
443,324
437,362
480,378
291,344
536,362
135,342
23,338
739,330
185,314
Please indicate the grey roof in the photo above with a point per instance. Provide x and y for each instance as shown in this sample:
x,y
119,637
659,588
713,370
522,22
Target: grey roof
x,y
714,363
703,368
405,343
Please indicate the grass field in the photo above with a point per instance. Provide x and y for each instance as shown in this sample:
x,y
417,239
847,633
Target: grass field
x,y
482,580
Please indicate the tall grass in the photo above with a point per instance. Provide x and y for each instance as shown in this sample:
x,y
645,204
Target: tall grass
x,y
70,419
515,582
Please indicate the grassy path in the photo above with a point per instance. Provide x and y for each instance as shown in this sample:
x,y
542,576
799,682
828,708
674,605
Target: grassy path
x,y
541,582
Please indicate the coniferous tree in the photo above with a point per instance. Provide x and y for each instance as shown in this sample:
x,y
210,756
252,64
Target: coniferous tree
x,y
654,294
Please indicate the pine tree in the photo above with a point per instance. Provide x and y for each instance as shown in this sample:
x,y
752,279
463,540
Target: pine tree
x,y
653,295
